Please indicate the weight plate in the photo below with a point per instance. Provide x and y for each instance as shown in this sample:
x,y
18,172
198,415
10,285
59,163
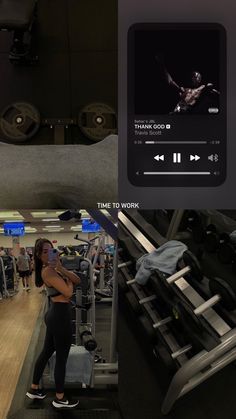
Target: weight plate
x,y
212,239
191,219
148,328
189,259
19,122
122,283
226,252
225,237
162,288
223,288
184,313
134,303
162,353
97,121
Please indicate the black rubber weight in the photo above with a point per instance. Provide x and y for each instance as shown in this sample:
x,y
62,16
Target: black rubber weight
x,y
19,122
134,303
97,121
148,328
224,289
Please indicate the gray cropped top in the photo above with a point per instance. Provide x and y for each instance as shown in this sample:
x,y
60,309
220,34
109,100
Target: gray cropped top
x,y
51,291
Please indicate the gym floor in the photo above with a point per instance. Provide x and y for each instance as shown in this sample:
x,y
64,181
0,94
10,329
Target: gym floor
x,y
18,316
77,48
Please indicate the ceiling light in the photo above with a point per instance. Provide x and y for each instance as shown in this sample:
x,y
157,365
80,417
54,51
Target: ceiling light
x,y
46,214
10,215
53,226
53,229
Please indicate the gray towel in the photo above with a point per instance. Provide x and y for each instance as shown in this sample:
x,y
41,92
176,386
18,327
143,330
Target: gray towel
x,y
163,259
79,366
59,176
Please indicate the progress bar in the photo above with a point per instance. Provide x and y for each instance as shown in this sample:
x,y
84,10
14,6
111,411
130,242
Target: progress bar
x,y
175,142
176,173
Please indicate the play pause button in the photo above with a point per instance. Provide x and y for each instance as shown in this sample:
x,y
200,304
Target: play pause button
x,y
159,157
176,157
195,157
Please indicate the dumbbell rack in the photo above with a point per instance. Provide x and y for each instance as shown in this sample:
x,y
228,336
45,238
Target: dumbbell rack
x,y
191,371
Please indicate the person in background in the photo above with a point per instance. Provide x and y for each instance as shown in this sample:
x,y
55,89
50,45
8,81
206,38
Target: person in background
x,y
23,265
2,251
31,264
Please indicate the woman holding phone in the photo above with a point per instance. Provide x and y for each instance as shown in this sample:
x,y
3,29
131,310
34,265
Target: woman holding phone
x,y
59,285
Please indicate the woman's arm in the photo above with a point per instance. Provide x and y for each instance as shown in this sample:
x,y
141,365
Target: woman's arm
x,y
70,275
52,279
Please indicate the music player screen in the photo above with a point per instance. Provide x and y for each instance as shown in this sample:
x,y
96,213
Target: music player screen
x,y
176,104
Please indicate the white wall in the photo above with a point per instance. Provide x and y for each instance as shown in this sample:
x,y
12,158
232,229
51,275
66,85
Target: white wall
x,y
63,239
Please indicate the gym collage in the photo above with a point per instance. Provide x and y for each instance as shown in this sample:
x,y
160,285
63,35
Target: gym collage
x,y
117,209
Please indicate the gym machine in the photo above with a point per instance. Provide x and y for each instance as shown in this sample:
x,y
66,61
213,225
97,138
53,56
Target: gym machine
x,y
181,319
103,373
8,277
20,19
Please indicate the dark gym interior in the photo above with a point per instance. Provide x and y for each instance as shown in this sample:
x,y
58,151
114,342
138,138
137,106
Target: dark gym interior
x,y
147,364
76,45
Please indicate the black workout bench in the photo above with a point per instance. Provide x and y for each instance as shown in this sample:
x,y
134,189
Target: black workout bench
x,y
19,16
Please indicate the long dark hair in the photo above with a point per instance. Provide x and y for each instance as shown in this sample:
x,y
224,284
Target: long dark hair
x,y
38,264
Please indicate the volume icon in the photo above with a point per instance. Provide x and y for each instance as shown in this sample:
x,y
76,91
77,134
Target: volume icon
x,y
213,157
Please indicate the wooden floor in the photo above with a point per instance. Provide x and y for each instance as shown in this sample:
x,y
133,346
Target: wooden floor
x,y
17,320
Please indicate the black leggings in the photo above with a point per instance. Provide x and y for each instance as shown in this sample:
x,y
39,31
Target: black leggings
x,y
58,338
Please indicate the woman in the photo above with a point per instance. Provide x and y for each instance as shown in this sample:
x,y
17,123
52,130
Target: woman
x,y
59,284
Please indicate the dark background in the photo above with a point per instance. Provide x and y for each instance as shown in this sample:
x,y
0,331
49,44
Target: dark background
x,y
182,52
182,11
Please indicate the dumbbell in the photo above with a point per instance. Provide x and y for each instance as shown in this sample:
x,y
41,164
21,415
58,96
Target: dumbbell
x,y
227,249
184,313
87,340
150,330
190,261
123,278
222,292
134,303
192,221
187,265
212,239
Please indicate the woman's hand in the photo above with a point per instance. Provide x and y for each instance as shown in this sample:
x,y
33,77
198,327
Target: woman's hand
x,y
63,271
59,266
56,264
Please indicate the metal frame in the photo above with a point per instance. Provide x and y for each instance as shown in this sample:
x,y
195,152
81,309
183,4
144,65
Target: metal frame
x,y
191,372
102,372
6,293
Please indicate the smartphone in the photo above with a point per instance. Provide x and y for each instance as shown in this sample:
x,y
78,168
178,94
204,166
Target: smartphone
x,y
52,255
176,104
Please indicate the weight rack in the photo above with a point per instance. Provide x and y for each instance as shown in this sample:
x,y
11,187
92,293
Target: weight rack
x,y
191,369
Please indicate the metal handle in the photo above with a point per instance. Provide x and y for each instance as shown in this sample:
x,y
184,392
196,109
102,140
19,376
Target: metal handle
x,y
208,304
